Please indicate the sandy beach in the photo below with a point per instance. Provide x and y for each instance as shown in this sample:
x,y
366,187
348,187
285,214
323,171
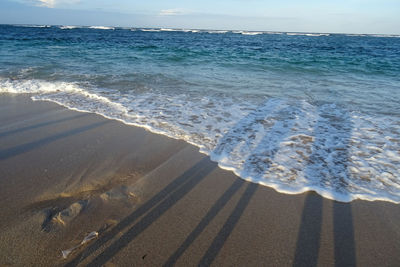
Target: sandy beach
x,y
157,201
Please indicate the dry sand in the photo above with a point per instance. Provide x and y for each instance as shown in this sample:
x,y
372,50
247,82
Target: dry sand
x,y
157,201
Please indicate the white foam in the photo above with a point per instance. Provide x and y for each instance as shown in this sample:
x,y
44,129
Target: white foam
x,y
102,28
167,30
189,30
217,31
150,30
33,26
317,34
290,146
248,32
374,35
307,34
68,27
385,35
170,30
280,33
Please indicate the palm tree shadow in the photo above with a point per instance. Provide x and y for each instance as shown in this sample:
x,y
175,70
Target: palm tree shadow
x,y
263,153
151,210
219,204
23,148
307,247
228,227
39,125
328,166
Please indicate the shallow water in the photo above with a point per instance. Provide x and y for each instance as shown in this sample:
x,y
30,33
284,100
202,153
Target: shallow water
x,y
292,111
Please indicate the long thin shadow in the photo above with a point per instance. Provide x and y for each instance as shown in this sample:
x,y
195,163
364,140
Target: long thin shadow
x,y
228,227
307,247
269,143
153,215
243,128
28,113
158,205
343,230
15,151
273,137
308,239
343,227
28,119
221,202
7,133
328,130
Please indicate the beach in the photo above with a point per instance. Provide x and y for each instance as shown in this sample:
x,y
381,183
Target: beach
x,y
155,201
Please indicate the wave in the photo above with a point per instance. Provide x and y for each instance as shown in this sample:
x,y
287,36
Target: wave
x,y
385,35
150,30
101,28
280,33
373,35
69,27
180,30
189,30
291,146
248,32
32,26
217,31
168,30
306,34
165,30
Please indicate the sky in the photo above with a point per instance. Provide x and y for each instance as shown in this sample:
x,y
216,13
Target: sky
x,y
340,16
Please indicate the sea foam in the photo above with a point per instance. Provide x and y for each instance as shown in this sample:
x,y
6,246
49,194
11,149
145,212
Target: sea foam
x,y
101,28
291,146
68,27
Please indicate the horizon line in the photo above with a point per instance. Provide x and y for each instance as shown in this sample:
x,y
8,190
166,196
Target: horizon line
x,y
203,29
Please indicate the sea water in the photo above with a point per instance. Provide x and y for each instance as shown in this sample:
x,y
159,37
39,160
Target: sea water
x,y
292,111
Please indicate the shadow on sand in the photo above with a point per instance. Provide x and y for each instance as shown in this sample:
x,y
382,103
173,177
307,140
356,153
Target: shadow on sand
x,y
39,125
226,145
228,227
215,209
17,150
336,130
308,242
153,208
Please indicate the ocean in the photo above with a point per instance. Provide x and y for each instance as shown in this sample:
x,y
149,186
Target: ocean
x,y
293,111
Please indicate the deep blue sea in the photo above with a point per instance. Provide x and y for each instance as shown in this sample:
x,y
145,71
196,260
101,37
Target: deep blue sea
x,y
292,111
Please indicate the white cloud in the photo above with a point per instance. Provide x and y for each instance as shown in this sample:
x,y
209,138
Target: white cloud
x,y
54,3
46,3
172,12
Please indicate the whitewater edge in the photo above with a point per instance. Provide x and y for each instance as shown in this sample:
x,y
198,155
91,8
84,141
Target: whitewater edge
x,y
276,186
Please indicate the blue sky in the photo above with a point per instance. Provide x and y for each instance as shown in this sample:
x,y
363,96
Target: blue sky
x,y
347,16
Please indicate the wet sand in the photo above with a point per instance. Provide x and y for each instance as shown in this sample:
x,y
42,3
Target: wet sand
x,y
157,201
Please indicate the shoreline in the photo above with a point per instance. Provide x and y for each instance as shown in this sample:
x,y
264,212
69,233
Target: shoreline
x,y
156,200
277,186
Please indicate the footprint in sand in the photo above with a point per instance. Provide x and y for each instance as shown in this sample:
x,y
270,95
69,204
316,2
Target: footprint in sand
x,y
63,217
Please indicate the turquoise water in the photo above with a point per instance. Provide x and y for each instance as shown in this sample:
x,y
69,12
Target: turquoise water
x,y
292,111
